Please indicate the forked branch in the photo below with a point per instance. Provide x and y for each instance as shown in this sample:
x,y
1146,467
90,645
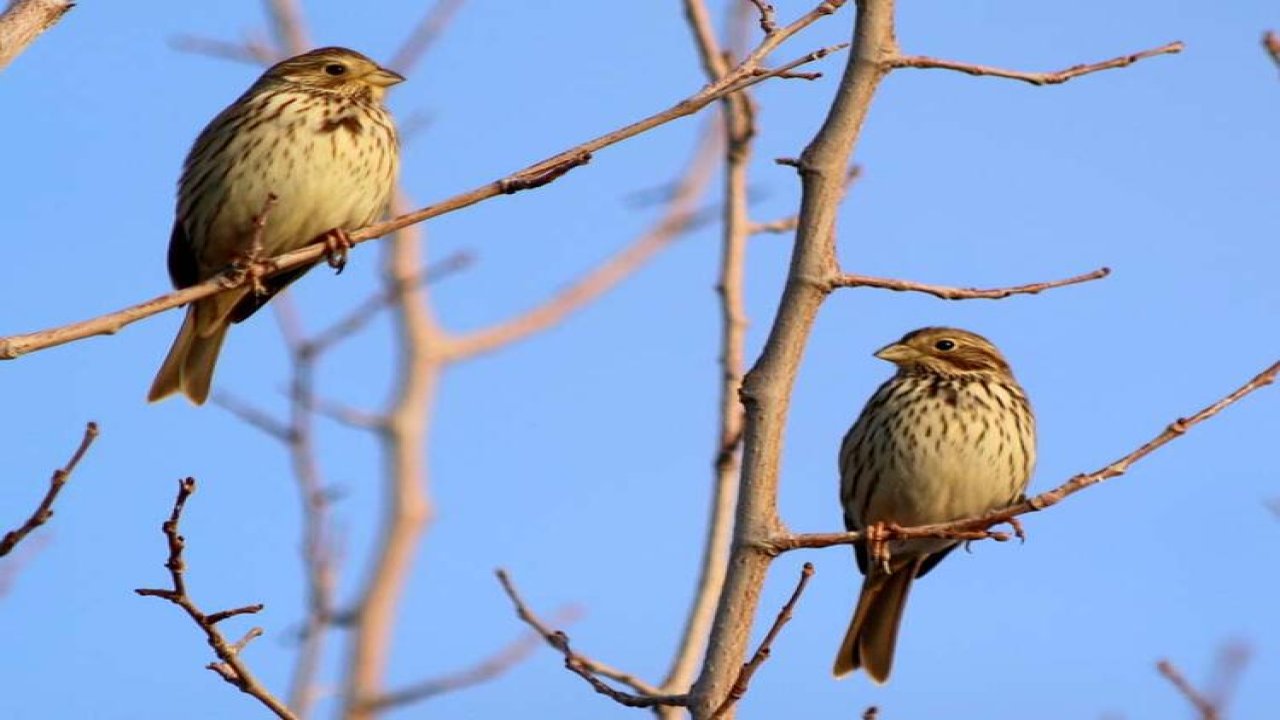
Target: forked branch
x,y
230,666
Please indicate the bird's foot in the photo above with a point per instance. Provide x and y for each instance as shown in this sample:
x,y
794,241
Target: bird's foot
x,y
1017,529
249,268
878,535
336,246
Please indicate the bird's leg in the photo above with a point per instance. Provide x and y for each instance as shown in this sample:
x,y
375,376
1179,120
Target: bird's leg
x,y
878,544
336,245
250,264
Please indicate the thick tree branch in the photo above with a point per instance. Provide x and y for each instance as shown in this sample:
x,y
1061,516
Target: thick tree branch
x,y
44,510
1034,78
23,21
229,666
979,527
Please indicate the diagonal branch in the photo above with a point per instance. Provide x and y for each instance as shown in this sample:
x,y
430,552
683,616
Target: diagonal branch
x,y
762,652
489,668
44,510
1206,709
584,667
1034,78
744,75
978,528
429,29
680,216
849,280
23,21
230,666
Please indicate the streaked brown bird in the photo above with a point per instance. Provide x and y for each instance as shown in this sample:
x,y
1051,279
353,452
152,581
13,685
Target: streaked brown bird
x,y
313,132
950,436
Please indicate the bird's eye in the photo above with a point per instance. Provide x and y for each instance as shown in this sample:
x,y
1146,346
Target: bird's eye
x,y
945,345
335,69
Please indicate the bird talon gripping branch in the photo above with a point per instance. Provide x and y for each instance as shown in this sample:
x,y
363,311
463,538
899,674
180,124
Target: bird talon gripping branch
x,y
336,246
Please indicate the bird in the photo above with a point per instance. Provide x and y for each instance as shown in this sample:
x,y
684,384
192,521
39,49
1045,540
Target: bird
x,y
950,436
307,152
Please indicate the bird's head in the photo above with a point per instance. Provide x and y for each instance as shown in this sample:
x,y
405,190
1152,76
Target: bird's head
x,y
335,70
945,351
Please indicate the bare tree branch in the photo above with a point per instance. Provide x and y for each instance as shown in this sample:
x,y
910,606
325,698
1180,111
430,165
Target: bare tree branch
x,y
424,36
680,216
748,671
287,26
23,21
849,280
229,666
738,117
978,528
44,510
766,390
585,667
1035,78
249,51
1205,709
488,669
744,75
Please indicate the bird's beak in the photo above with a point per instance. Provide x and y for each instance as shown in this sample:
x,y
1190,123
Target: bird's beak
x,y
897,353
383,77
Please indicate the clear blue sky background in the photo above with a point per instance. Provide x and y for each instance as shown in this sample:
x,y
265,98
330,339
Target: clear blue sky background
x,y
580,459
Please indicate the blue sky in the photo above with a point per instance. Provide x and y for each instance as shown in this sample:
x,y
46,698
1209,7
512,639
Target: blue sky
x,y
580,458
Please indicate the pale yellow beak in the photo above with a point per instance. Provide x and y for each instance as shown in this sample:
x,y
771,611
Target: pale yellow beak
x,y
383,77
897,353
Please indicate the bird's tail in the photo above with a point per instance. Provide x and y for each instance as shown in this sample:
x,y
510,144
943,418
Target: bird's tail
x,y
873,631
188,368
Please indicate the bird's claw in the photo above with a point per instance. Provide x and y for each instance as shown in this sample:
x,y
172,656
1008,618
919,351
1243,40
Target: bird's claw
x,y
878,544
1017,529
336,246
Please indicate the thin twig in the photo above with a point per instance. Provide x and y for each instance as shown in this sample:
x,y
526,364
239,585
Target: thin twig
x,y
230,666
1205,708
1271,43
360,316
584,667
1034,78
744,75
485,670
249,51
979,528
287,26
44,510
849,280
762,652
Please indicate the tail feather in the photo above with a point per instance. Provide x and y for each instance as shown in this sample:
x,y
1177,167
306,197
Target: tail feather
x,y
873,631
189,366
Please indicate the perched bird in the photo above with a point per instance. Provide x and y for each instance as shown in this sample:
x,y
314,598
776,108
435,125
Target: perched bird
x,y
949,436
313,133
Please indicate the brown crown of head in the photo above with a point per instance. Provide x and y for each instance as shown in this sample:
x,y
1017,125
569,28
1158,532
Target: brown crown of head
x,y
334,69
945,351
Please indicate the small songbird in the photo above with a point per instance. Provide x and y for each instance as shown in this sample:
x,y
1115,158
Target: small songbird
x,y
313,133
950,436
